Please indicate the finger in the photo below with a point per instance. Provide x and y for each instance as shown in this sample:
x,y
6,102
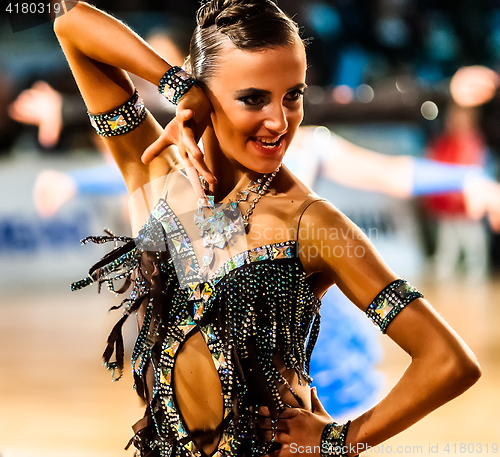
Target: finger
x,y
192,175
191,146
185,120
190,143
317,407
283,451
183,115
289,413
264,411
197,158
266,423
156,148
285,414
278,436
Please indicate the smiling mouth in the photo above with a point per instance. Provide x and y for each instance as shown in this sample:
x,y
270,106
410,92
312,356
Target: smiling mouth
x,y
267,144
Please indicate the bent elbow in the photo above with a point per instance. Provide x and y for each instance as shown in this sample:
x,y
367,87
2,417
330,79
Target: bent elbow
x,y
464,372
470,371
61,26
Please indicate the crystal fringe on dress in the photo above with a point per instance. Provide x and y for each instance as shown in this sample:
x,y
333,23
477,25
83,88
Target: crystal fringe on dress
x,y
257,304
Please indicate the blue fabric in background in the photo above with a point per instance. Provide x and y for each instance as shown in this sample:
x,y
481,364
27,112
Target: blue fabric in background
x,y
431,177
344,359
101,180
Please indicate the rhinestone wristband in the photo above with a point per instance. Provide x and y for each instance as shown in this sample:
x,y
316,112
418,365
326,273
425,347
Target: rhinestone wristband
x,y
174,84
121,120
390,302
333,439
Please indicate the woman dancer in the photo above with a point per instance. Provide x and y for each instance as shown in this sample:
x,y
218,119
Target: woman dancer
x,y
224,344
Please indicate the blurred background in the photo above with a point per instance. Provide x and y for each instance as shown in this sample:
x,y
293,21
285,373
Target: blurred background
x,y
379,77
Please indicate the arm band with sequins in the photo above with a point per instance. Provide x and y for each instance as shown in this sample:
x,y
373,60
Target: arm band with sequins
x,y
121,120
174,84
389,303
333,439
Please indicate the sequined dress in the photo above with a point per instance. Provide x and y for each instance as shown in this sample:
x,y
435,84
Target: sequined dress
x,y
257,304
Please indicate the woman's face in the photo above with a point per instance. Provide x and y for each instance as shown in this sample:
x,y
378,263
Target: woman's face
x,y
257,103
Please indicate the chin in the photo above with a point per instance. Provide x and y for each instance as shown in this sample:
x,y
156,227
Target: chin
x,y
266,161
270,169
266,166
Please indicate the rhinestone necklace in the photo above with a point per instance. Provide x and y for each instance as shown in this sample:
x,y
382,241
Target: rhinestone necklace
x,y
255,186
219,223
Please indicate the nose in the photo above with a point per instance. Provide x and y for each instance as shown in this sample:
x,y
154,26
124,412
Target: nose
x,y
276,120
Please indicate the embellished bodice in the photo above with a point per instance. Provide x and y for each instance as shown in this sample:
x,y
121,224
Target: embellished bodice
x,y
258,303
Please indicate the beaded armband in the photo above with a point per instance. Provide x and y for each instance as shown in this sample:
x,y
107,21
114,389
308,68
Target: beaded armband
x,y
174,84
121,120
389,303
333,439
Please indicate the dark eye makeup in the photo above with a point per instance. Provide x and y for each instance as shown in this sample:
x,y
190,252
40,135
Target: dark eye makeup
x,y
255,98
252,100
295,95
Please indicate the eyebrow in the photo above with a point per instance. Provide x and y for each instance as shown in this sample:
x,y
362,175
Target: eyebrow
x,y
255,90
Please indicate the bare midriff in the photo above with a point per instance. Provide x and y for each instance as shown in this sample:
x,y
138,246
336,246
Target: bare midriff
x,y
198,391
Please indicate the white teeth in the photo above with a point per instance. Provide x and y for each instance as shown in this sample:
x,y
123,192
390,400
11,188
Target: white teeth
x,y
267,143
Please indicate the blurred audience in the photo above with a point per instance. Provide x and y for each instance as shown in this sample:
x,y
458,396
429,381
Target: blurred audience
x,y
462,143
358,48
40,106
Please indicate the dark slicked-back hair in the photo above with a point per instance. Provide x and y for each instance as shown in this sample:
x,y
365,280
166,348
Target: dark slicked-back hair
x,y
250,25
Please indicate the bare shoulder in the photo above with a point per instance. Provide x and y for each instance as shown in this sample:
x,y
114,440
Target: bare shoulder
x,y
307,207
336,249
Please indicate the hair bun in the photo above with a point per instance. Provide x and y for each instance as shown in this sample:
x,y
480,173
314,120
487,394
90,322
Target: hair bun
x,y
223,13
208,12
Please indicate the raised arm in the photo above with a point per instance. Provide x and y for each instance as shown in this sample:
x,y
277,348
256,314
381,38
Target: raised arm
x,y
100,51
